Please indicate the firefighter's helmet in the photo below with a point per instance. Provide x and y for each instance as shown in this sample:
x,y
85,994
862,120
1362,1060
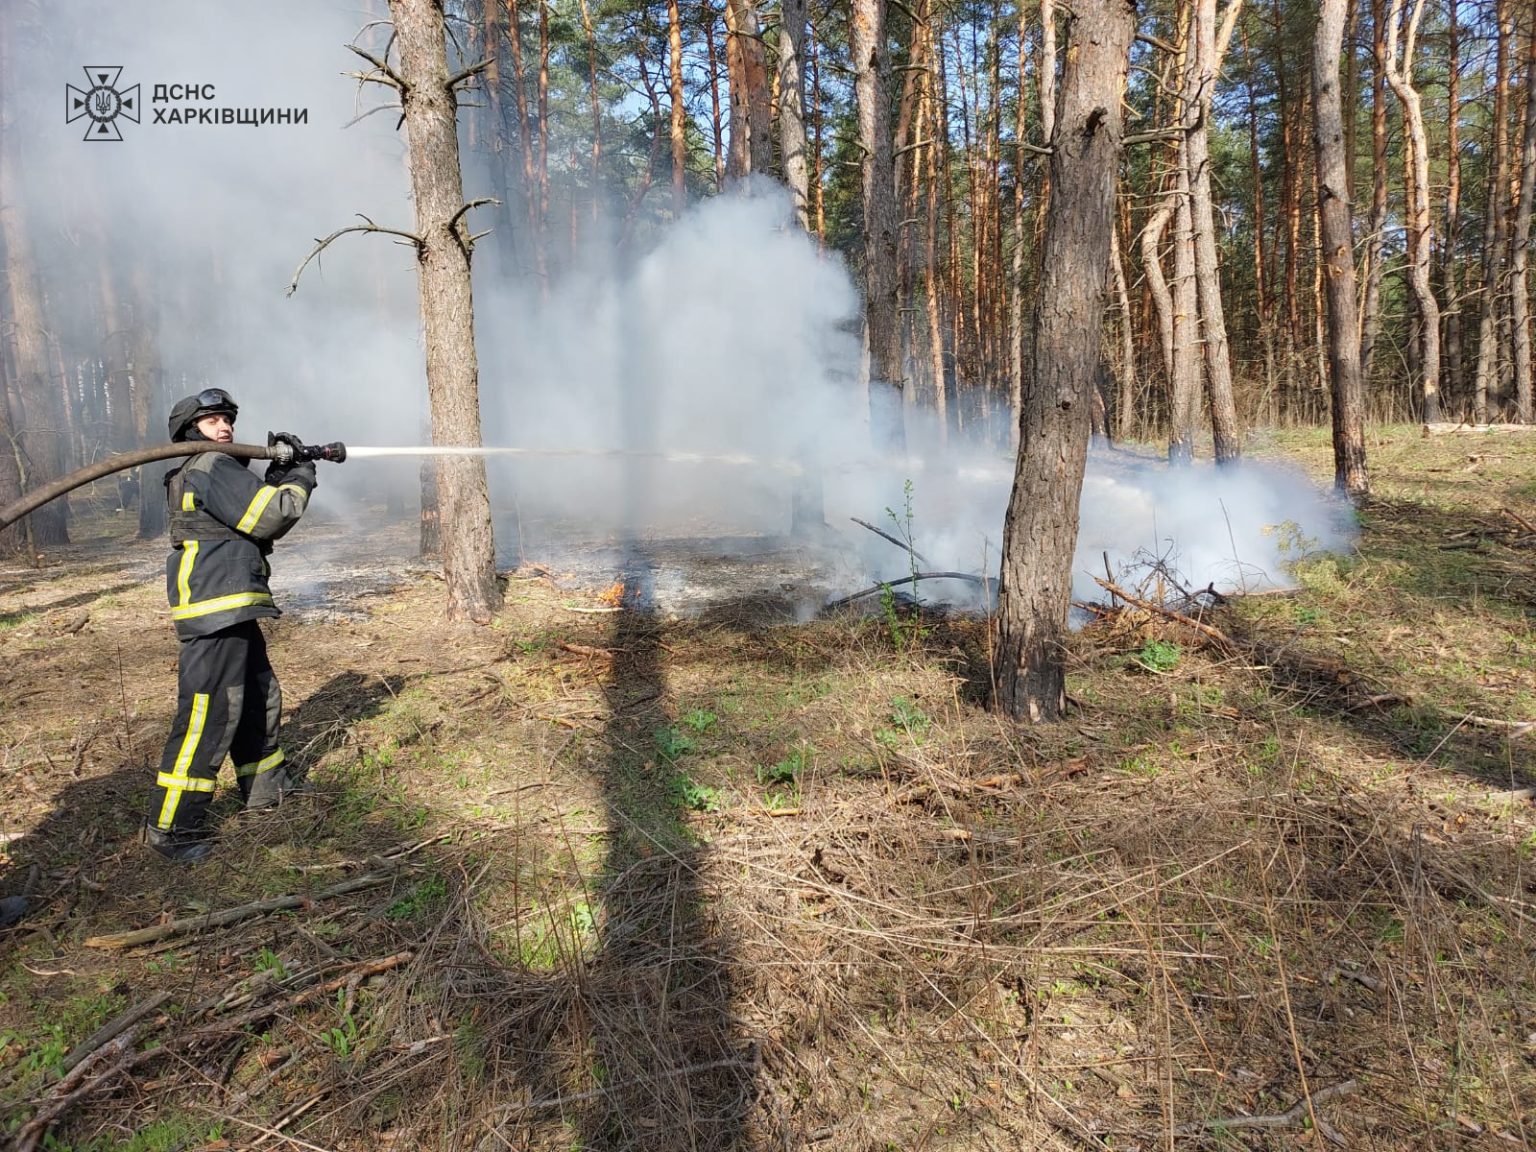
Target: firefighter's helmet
x,y
186,412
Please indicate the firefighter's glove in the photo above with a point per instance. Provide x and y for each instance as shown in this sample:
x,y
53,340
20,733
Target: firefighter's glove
x,y
288,438
302,472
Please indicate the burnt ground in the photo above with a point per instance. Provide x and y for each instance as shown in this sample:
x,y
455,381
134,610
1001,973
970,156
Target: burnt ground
x,y
663,860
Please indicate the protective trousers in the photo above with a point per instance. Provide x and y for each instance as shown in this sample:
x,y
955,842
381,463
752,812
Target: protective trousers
x,y
228,703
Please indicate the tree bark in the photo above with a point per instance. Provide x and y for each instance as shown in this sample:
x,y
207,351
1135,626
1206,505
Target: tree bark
x,y
447,307
679,112
1337,257
1157,287
1420,226
1210,46
1495,224
1125,404
792,107
1040,532
1450,260
751,147
37,425
1520,301
1021,163
1370,309
881,301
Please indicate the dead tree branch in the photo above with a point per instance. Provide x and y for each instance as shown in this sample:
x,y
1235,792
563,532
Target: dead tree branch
x,y
386,74
473,70
367,226
1215,635
968,577
231,915
896,540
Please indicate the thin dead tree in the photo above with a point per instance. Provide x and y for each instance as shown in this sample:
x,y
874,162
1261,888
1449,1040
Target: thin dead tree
x,y
1040,532
1420,224
418,73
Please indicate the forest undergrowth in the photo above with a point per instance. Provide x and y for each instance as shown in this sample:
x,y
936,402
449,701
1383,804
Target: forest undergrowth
x,y
593,879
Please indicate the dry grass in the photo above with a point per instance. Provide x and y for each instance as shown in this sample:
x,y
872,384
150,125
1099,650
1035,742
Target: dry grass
x,y
716,884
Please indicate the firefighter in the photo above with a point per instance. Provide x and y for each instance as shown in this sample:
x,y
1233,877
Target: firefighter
x,y
223,522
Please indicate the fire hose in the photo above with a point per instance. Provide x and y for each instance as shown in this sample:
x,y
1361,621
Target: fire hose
x,y
278,451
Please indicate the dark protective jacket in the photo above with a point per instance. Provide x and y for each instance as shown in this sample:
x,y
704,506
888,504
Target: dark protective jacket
x,y
223,522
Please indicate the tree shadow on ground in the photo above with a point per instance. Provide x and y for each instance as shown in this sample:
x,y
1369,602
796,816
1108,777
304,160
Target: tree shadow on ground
x,y
75,601
676,1068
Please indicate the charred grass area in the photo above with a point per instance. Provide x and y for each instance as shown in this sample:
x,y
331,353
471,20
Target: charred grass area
x,y
622,882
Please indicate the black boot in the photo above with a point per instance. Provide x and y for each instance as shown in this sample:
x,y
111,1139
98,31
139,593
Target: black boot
x,y
178,847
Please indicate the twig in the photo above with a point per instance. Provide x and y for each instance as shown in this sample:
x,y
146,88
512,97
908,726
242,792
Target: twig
x,y
1520,520
1515,728
884,584
232,915
321,245
389,75
66,1093
896,540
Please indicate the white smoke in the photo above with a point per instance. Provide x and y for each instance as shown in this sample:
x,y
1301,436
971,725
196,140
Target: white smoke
x,y
726,334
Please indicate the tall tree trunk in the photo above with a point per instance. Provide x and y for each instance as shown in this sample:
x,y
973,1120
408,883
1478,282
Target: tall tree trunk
x,y
751,147
1040,532
1264,290
37,424
525,139
1520,300
792,107
934,124
1450,259
818,188
447,308
1420,227
1370,309
679,112
717,124
1157,289
1021,163
1337,258
597,114
1125,404
1495,224
1209,47
882,312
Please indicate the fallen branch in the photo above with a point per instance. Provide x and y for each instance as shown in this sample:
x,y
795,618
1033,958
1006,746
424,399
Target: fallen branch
x,y
1293,1117
884,584
1215,635
1446,427
110,1031
1515,728
898,541
1521,520
232,915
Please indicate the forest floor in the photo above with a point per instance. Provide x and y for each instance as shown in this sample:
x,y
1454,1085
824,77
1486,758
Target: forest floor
x,y
594,878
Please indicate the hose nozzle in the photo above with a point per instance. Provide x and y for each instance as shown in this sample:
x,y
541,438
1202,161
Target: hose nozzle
x,y
286,448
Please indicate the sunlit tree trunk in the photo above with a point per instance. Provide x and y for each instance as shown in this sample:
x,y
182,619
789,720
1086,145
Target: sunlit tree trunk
x,y
1337,258
1420,227
1495,224
882,313
751,147
447,308
1125,404
792,107
679,111
1370,308
1520,301
1040,532
1450,260
1209,47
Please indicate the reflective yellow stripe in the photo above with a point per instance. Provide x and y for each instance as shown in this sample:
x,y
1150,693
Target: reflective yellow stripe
x,y
187,503
184,783
220,604
184,573
179,780
258,506
265,765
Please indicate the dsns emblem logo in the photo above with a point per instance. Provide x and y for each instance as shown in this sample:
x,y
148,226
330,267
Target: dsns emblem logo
x,y
101,102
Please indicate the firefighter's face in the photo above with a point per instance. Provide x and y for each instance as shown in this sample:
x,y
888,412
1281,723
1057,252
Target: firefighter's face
x,y
218,428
